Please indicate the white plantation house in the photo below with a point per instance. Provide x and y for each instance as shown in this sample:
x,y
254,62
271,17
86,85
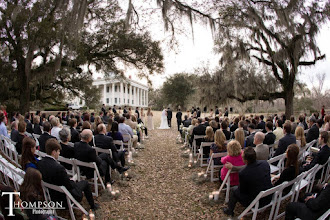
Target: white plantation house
x,y
122,92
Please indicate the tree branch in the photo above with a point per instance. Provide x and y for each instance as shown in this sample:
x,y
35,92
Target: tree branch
x,y
309,63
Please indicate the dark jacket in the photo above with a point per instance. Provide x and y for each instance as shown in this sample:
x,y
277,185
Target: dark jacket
x,y
269,138
253,178
67,152
321,203
42,140
169,114
14,135
106,142
29,128
233,127
250,140
179,116
84,152
19,143
37,129
227,134
261,125
74,135
199,130
313,133
284,142
320,157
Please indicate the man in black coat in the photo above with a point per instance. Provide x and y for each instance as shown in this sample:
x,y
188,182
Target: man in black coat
x,y
224,127
179,118
270,136
250,138
75,137
45,136
169,116
234,126
84,152
27,120
14,134
285,141
313,207
54,173
198,112
254,178
313,132
261,124
106,142
137,112
198,130
322,156
186,122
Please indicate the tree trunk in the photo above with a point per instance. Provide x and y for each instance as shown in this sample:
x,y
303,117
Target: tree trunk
x,y
289,94
24,92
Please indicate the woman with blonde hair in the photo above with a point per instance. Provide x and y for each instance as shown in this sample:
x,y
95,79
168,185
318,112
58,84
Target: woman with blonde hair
x,y
300,136
326,123
150,123
240,137
219,145
234,157
209,137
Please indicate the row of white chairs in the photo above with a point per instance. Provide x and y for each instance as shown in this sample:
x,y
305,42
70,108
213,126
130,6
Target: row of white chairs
x,y
7,147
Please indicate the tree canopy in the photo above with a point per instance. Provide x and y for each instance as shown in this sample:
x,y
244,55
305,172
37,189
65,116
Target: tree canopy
x,y
47,45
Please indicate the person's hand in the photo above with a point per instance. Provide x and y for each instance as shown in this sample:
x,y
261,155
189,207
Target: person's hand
x,y
229,166
310,197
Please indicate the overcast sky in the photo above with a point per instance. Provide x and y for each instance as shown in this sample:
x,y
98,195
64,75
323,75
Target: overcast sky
x,y
194,53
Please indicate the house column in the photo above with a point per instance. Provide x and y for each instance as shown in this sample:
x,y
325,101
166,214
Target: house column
x,y
147,101
121,93
126,95
113,93
104,94
135,96
130,94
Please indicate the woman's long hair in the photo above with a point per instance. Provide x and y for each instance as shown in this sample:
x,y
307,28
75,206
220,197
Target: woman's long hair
x,y
292,157
114,129
219,139
31,189
27,155
239,136
299,133
209,134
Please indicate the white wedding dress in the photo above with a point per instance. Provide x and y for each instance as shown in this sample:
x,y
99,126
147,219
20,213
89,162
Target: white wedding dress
x,y
163,121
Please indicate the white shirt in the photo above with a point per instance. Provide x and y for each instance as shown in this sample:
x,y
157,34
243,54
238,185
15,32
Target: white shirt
x,y
55,132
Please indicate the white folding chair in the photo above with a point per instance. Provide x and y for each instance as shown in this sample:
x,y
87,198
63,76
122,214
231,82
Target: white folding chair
x,y
97,177
280,165
271,150
211,168
325,215
9,150
36,138
40,153
308,146
254,206
306,181
119,142
201,153
226,182
68,161
129,143
10,172
72,202
294,183
194,145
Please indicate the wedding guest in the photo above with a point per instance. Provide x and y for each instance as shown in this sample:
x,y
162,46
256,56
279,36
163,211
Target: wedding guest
x,y
218,146
14,134
28,158
235,158
3,128
300,136
21,136
150,123
36,125
240,137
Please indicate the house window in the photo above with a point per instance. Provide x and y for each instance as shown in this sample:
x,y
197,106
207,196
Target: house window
x,y
107,100
124,100
132,102
108,89
127,101
115,100
115,88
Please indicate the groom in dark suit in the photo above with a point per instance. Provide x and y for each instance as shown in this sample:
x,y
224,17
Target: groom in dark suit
x,y
179,118
169,116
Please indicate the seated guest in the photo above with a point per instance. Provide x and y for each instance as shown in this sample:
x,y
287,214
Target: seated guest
x,y
124,129
96,123
86,125
235,125
67,151
291,170
313,132
218,146
21,136
14,131
224,127
261,149
74,133
31,192
209,137
3,128
84,152
194,123
261,125
250,138
286,140
320,157
293,125
254,178
235,158
312,208
55,122
198,130
279,130
240,137
28,123
54,173
301,121
28,158
45,136
300,136
106,142
270,136
36,124
214,125
114,133
326,126
186,122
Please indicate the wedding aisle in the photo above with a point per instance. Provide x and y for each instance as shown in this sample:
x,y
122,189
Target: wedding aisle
x,y
161,186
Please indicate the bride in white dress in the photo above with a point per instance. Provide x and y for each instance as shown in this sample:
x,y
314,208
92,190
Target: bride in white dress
x,y
163,122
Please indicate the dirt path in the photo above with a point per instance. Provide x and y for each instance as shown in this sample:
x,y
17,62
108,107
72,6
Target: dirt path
x,y
161,186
